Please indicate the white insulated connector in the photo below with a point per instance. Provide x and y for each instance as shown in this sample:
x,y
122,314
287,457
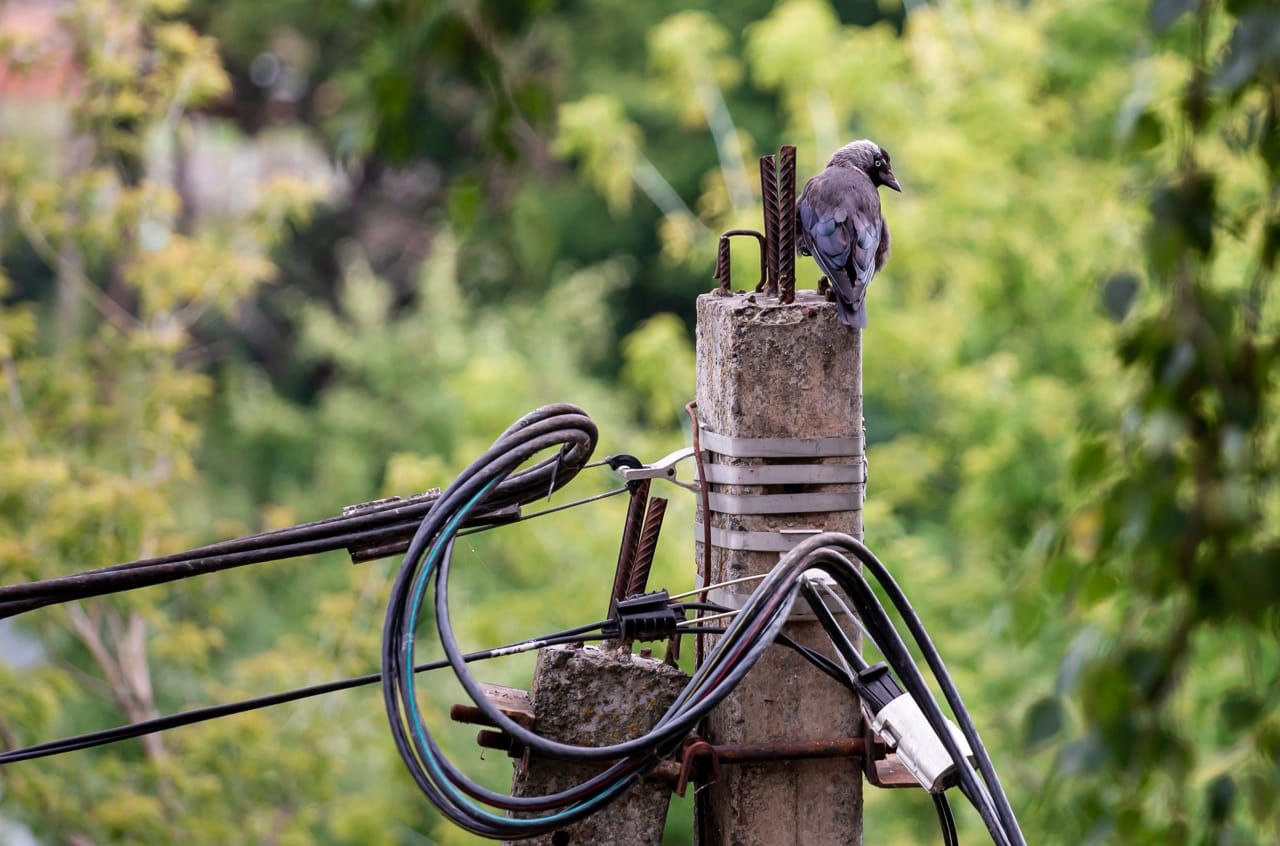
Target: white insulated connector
x,y
903,726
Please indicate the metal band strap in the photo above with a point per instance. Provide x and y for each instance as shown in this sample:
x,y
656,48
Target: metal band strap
x,y
780,541
779,447
785,474
798,503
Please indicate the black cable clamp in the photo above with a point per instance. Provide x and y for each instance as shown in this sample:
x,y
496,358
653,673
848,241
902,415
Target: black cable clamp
x,y
645,617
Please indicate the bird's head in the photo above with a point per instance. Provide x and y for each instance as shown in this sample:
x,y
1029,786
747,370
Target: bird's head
x,y
868,157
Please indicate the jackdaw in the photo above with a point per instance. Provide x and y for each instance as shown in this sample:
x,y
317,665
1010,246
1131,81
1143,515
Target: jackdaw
x,y
840,224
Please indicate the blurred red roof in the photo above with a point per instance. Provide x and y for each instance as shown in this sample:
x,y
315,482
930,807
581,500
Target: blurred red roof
x,y
36,59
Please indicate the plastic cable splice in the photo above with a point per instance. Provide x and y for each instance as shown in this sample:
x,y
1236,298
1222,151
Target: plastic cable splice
x,y
903,725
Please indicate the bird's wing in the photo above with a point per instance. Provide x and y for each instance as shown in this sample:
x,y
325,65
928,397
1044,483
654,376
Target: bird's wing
x,y
842,229
882,252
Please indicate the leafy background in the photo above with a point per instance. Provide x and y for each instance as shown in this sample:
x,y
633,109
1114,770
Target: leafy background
x,y
262,261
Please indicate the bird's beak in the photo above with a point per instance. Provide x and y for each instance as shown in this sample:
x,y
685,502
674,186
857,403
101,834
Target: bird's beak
x,y
891,181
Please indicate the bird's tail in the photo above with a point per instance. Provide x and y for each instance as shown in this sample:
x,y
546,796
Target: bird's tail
x,y
854,314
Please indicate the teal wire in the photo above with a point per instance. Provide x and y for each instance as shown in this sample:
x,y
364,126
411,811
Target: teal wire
x,y
419,591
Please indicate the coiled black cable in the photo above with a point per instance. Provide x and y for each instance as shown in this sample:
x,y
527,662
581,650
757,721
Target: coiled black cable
x,y
428,562
429,558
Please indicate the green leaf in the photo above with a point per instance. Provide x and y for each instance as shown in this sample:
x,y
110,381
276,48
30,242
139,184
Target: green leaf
x,y
1270,242
1220,798
1165,13
1119,292
1044,721
1240,709
1254,46
1147,132
1269,140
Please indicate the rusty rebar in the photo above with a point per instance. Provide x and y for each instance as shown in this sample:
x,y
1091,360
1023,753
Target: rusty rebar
x,y
704,501
630,537
769,202
646,546
700,759
785,207
723,272
723,262
756,753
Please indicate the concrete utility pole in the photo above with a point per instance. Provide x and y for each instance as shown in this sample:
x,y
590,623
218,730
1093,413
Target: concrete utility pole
x,y
779,385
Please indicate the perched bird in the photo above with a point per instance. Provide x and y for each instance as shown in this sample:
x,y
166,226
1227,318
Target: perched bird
x,y
841,226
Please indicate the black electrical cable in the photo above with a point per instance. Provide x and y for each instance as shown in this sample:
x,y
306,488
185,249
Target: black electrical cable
x,y
831,626
858,664
932,657
813,656
945,819
759,621
826,552
899,657
212,712
130,731
370,525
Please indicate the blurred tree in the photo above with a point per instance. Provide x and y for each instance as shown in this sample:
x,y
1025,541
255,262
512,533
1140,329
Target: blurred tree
x,y
99,438
1174,558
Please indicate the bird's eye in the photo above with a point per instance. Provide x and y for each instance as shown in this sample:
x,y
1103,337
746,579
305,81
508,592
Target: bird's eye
x,y
879,162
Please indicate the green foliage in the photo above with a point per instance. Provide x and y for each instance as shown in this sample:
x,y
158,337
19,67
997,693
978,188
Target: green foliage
x,y
596,130
1181,503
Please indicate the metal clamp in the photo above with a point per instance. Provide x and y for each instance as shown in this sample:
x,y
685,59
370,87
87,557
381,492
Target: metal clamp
x,y
663,468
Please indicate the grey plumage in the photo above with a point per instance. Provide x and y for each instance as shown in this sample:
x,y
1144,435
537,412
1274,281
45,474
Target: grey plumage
x,y
840,224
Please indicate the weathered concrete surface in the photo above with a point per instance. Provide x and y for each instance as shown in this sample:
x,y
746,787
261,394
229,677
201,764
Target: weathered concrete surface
x,y
594,697
770,370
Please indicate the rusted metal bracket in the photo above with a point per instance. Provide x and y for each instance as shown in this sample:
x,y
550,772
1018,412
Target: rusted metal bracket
x,y
512,702
723,272
698,759
696,753
778,240
701,761
887,773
